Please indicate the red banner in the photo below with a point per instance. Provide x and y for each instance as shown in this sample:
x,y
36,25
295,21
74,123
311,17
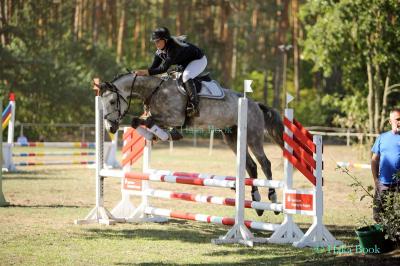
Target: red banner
x,y
300,202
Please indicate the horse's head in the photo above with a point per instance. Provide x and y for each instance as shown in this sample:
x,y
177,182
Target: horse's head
x,y
115,105
116,101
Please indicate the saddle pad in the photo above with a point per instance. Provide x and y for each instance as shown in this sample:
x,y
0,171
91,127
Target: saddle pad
x,y
209,89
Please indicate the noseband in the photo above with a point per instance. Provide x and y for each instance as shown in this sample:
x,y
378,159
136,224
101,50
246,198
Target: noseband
x,y
112,88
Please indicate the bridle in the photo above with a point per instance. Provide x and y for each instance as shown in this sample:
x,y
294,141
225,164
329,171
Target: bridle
x,y
112,88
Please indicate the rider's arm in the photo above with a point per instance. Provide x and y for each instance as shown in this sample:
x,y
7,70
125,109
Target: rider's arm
x,y
156,62
162,67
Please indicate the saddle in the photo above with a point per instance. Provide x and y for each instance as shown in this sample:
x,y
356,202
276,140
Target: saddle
x,y
205,86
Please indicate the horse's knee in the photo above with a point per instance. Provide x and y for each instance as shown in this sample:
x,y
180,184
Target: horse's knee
x,y
136,121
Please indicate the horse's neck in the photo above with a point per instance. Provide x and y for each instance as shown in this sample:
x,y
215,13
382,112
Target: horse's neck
x,y
143,86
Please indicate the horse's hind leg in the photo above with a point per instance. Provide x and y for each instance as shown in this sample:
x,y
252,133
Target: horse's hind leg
x,y
251,167
257,149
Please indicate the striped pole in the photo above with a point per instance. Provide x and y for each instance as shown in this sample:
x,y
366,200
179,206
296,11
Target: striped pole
x,y
3,201
209,219
247,181
64,162
89,145
11,123
221,181
165,194
41,154
6,116
177,179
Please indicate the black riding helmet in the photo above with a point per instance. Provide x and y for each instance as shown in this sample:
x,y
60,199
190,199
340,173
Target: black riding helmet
x,y
160,33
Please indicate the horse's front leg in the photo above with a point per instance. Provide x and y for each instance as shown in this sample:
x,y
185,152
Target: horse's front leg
x,y
139,121
151,128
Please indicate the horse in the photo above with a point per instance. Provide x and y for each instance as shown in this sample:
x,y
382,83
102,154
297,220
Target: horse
x,y
167,109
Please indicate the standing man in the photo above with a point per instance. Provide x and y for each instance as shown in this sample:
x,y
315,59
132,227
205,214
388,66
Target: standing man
x,y
385,163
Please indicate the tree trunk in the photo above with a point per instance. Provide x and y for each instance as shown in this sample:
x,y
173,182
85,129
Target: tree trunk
x,y
136,35
384,102
95,21
112,23
265,91
165,10
371,97
282,18
121,31
3,21
296,52
227,40
378,97
179,18
77,19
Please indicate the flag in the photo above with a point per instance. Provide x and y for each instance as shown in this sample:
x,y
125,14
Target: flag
x,y
289,98
247,85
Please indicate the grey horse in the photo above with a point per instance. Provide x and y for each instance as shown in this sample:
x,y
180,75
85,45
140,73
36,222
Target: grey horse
x,y
167,107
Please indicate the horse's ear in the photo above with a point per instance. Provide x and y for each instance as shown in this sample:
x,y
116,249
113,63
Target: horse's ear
x,y
98,86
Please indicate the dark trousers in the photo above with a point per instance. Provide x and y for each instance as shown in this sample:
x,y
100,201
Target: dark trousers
x,y
380,199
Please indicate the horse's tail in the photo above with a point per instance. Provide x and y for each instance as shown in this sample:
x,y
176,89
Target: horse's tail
x,y
273,124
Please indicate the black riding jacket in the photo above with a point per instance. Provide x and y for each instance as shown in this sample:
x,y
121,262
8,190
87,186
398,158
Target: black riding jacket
x,y
174,54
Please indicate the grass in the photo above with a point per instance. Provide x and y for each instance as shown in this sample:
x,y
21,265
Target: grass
x,y
38,229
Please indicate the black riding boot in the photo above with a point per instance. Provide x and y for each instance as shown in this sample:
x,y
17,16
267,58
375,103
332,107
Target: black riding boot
x,y
192,108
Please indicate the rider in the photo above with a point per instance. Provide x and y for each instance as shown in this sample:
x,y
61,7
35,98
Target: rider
x,y
173,50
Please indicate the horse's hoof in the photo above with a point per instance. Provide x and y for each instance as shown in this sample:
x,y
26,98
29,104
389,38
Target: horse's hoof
x,y
259,212
255,196
175,134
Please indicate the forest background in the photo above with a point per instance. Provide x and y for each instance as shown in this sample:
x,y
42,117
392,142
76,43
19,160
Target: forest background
x,y
340,59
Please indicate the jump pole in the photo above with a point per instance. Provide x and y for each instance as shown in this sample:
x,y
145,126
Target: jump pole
x,y
239,233
7,147
99,214
3,201
11,123
289,232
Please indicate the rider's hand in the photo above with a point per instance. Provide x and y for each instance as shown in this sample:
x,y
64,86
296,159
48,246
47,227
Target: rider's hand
x,y
142,72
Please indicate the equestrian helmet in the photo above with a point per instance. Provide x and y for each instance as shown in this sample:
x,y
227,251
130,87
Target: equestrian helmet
x,y
160,33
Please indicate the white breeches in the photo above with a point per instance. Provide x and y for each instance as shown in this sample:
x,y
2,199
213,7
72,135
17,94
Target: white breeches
x,y
194,68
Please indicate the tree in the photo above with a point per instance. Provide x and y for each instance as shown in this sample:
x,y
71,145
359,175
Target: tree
x,y
361,38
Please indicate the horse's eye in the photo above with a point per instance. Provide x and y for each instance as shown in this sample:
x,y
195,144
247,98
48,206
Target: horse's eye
x,y
112,102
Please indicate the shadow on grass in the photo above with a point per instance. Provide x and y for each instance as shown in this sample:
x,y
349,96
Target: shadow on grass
x,y
53,174
42,206
264,254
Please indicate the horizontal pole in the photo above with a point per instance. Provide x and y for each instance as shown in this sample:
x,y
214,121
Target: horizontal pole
x,y
248,181
53,163
41,154
165,194
57,144
209,219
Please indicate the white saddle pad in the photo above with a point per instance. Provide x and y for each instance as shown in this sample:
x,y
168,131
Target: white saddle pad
x,y
209,89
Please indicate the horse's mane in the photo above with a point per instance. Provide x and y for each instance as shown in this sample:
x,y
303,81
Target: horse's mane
x,y
120,75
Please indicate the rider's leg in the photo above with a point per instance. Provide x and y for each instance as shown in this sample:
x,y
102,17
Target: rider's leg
x,y
191,71
192,108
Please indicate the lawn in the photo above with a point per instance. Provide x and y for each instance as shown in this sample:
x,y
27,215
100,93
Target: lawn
x,y
38,228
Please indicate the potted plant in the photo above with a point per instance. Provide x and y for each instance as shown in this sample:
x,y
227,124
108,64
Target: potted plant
x,y
382,237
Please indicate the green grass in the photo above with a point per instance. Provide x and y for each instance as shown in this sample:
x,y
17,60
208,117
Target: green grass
x,y
38,229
